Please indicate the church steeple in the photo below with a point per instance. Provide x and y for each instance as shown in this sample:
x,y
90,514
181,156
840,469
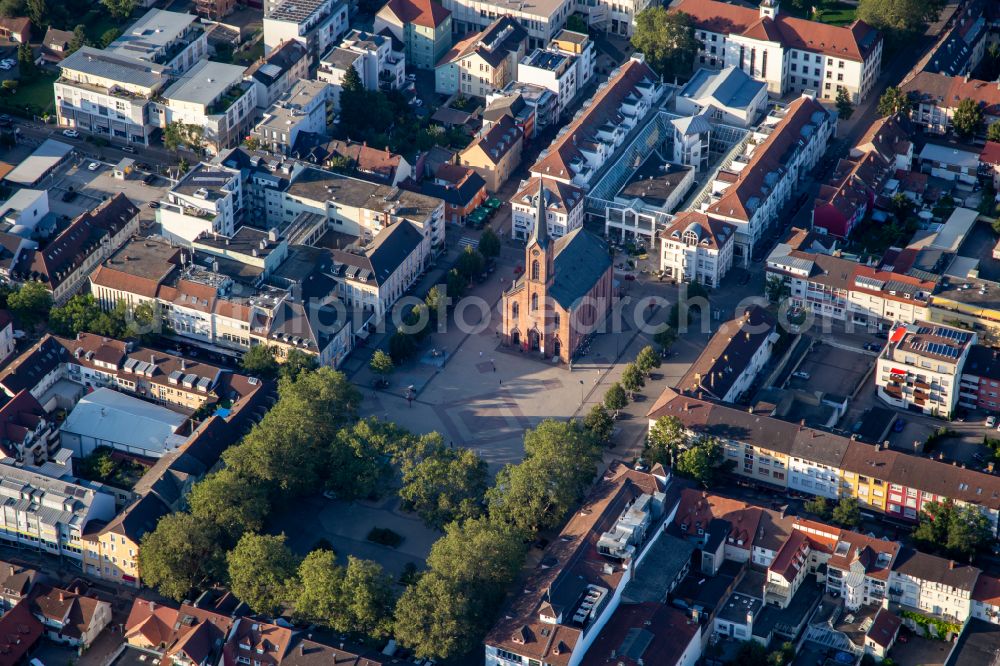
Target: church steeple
x,y
540,234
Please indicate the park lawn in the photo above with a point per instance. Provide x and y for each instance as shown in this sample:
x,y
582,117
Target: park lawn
x,y
830,12
836,14
37,94
251,55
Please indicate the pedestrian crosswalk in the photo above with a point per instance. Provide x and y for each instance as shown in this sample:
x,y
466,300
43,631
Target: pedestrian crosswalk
x,y
465,241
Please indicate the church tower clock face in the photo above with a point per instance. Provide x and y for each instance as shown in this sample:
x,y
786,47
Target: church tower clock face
x,y
535,252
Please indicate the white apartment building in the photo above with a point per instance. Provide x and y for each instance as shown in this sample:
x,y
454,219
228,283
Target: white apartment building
x,y
752,191
921,367
378,64
842,289
215,97
304,108
49,514
373,278
565,67
542,20
318,24
109,94
274,75
207,199
697,248
564,206
176,40
936,97
789,54
358,207
591,139
986,599
932,585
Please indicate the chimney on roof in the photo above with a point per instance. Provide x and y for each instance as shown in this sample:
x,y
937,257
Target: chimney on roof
x,y
11,569
62,597
951,564
152,606
152,359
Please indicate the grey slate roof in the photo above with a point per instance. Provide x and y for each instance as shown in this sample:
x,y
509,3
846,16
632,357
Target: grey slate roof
x,y
661,565
730,87
581,259
390,248
121,68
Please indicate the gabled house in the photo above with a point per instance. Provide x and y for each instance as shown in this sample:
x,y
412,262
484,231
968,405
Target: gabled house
x,y
70,616
495,153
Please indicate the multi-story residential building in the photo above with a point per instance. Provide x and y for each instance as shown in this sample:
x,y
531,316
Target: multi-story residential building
x,y
782,151
765,450
112,553
656,189
790,54
64,263
731,360
495,153
379,63
849,195
374,277
859,569
483,62
275,74
921,367
937,96
423,26
360,208
567,600
565,67
304,109
697,248
590,141
838,288
986,599
208,198
16,582
109,93
564,205
50,514
175,40
318,24
215,97
729,96
889,137
989,162
932,585
29,434
542,20
965,41
803,552
212,303
950,163
980,383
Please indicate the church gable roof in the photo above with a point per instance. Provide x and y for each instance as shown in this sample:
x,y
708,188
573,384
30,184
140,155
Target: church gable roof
x,y
581,259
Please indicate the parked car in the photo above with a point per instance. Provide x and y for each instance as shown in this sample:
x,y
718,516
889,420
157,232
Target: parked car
x,y
899,425
801,374
93,166
6,66
71,133
153,204
991,421
129,149
872,346
149,179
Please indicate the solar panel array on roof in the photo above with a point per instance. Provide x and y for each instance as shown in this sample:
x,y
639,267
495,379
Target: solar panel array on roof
x,y
952,334
868,282
937,349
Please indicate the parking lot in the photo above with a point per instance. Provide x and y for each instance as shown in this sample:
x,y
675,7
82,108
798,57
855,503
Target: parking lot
x,y
93,185
831,370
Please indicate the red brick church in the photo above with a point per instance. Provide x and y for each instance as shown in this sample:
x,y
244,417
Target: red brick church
x,y
564,293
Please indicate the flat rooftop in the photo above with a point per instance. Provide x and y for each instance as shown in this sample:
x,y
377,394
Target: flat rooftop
x,y
296,11
204,177
978,645
552,61
205,83
656,181
152,33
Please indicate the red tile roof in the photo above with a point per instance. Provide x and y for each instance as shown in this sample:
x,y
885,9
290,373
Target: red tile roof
x,y
768,157
671,633
604,106
987,590
990,153
697,509
426,13
947,91
853,42
19,631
